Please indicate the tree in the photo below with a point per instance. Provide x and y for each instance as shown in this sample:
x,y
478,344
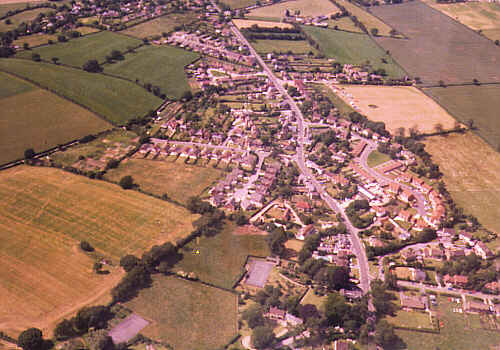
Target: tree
x,y
26,46
55,60
384,334
29,153
84,245
262,337
64,330
126,182
97,267
30,339
253,316
187,95
441,83
497,42
61,38
36,57
276,241
128,262
335,308
374,31
92,66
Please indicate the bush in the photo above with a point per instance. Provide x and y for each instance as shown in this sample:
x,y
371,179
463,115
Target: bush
x,y
30,339
84,245
126,182
92,66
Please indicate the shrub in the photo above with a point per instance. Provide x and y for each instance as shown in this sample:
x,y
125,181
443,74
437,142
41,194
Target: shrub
x,y
126,182
86,246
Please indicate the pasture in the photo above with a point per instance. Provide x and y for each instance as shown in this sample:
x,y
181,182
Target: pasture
x,y
160,66
159,25
438,48
178,180
25,16
398,107
246,23
344,23
187,315
477,103
353,48
366,18
78,51
299,47
471,174
307,8
45,213
238,4
220,259
115,99
35,118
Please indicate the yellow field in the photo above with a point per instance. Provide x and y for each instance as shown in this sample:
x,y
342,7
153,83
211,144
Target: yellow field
x,y
246,23
397,106
307,8
471,171
44,214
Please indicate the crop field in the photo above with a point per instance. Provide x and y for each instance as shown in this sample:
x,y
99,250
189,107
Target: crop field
x,y
353,48
398,107
307,8
471,173
160,66
35,118
477,103
366,18
187,315
282,46
178,180
78,51
219,260
45,213
159,25
246,23
484,16
115,99
438,48
25,16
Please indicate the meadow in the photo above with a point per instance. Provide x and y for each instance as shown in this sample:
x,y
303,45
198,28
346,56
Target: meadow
x,y
45,213
187,315
159,25
115,99
353,48
178,180
78,51
471,102
160,66
438,48
283,46
307,8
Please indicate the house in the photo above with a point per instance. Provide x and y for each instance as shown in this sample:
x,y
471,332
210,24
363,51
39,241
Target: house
x,y
306,231
394,188
405,215
483,251
446,232
303,206
359,148
276,314
418,275
492,287
454,254
340,345
410,303
408,255
466,237
433,253
293,320
458,280
407,196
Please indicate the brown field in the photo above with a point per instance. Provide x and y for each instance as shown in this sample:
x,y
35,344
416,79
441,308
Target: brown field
x,y
246,23
471,171
398,106
44,214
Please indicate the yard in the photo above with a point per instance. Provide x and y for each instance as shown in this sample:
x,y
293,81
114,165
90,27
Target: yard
x,y
376,158
283,46
412,319
187,315
307,8
157,26
45,213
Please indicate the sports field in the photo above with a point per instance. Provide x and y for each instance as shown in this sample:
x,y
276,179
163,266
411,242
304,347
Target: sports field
x,y
160,66
159,25
283,46
307,8
35,118
45,213
115,99
479,103
438,47
398,107
471,171
178,180
246,23
78,51
187,315
353,48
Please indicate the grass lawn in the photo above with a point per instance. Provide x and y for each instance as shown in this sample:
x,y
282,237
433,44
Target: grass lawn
x,y
222,258
160,25
160,66
115,99
307,8
45,213
376,158
78,51
180,181
354,49
471,174
283,46
311,298
187,315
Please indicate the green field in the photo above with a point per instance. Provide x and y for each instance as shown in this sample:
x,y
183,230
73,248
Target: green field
x,y
160,66
78,51
354,49
221,258
160,25
376,158
35,118
411,319
25,16
283,46
366,18
344,23
115,99
238,4
187,315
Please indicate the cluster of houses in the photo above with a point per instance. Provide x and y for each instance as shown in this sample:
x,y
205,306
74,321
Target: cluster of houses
x,y
335,250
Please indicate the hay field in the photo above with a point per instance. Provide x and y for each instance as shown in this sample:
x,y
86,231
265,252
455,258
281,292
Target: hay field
x,y
307,8
471,171
35,118
397,106
187,315
246,23
159,25
45,213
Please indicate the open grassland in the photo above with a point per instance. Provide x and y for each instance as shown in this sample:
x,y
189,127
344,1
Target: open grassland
x,y
398,107
366,18
246,23
45,213
438,47
187,315
353,48
238,4
307,8
40,120
478,103
78,51
220,260
115,99
283,46
484,16
472,174
178,180
160,66
160,25
25,16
